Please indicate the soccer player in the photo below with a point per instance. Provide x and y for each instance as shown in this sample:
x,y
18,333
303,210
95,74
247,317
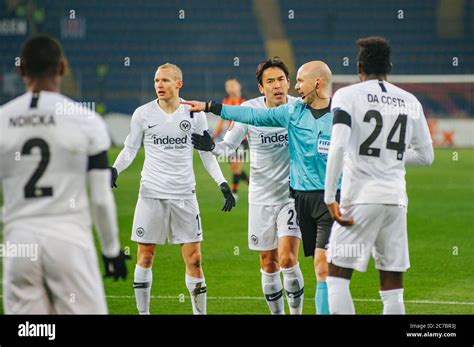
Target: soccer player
x,y
309,123
378,129
233,89
51,149
167,207
272,227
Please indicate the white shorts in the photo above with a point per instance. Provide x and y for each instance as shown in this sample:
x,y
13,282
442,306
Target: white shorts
x,y
380,230
158,220
56,277
267,223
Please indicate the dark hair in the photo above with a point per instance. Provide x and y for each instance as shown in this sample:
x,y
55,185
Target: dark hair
x,y
232,79
266,64
40,56
374,55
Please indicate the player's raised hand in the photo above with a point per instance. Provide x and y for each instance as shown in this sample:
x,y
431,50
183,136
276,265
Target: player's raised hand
x,y
196,106
116,267
229,197
203,142
113,183
336,215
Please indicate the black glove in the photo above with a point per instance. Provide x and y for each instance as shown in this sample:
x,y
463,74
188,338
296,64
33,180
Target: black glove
x,y
203,142
116,267
113,183
229,197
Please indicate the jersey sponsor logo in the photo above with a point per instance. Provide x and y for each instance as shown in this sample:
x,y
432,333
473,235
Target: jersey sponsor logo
x,y
32,120
185,125
323,144
254,239
140,232
275,138
169,140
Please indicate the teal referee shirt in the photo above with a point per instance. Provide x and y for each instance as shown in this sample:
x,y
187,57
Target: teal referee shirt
x,y
309,135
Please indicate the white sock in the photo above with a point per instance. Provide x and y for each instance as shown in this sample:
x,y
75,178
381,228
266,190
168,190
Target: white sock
x,y
339,295
393,301
197,289
273,291
294,288
142,285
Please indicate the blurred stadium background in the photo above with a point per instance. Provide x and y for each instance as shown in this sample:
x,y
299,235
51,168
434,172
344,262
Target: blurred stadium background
x,y
114,47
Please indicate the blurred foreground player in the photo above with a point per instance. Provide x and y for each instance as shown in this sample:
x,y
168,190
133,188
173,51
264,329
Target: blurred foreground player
x,y
378,129
167,208
50,148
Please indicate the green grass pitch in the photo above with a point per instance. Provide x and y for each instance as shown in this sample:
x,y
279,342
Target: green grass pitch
x,y
441,241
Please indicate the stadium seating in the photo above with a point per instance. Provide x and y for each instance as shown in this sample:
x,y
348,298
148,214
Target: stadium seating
x,y
214,33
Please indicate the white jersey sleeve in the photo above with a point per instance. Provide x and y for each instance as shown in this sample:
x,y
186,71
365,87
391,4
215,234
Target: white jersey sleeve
x,y
232,139
135,136
208,159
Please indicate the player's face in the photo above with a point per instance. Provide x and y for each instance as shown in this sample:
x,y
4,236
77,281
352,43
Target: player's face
x,y
274,86
233,88
167,84
305,86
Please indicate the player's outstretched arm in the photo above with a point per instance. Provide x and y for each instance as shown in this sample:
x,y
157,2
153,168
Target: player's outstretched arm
x,y
275,116
123,160
104,215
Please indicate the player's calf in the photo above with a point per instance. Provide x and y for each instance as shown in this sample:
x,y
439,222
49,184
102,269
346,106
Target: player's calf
x,y
194,278
339,294
143,277
321,270
391,292
271,282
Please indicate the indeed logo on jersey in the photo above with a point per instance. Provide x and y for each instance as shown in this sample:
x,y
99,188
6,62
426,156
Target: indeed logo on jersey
x,y
277,139
169,142
323,145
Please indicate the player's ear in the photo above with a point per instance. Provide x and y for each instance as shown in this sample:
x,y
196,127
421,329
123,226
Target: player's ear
x,y
62,67
390,66
359,67
179,84
260,88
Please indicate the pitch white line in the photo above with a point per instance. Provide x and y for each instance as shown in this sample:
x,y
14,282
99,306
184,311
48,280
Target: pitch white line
x,y
166,297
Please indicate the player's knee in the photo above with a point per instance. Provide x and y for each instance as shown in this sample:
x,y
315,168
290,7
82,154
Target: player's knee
x,y
145,258
287,261
269,263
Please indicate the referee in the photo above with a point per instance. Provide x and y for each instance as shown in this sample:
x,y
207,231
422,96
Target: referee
x,y
309,122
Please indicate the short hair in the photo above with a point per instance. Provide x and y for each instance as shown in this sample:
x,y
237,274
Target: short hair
x,y
232,78
177,71
266,64
374,55
41,56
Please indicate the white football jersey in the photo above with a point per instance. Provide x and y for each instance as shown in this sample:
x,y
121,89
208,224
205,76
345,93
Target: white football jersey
x,y
269,158
45,143
385,120
168,168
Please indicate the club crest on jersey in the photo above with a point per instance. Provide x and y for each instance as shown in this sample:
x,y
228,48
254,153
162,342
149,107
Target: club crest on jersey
x,y
254,239
323,144
140,232
185,125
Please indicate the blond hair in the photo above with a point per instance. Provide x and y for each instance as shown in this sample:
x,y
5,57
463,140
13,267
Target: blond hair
x,y
178,74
